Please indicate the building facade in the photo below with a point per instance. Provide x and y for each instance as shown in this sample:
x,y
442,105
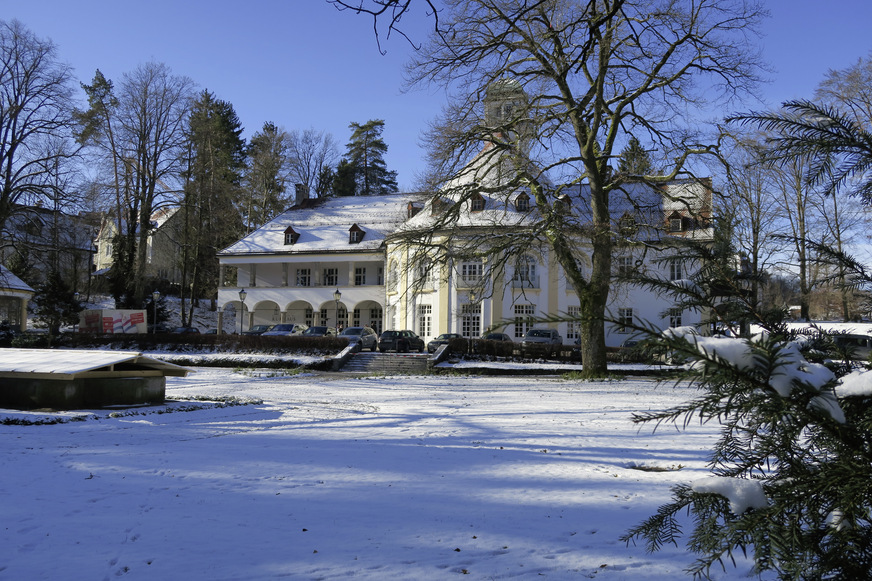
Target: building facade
x,y
320,263
352,261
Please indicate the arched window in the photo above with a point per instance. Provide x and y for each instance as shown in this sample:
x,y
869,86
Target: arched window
x,y
426,276
522,203
393,277
476,203
525,272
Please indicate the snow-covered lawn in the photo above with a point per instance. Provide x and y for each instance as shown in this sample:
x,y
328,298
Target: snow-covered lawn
x,y
420,478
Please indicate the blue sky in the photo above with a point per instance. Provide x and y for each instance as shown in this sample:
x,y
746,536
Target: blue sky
x,y
301,63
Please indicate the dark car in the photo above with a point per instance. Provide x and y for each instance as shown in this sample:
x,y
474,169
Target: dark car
x,y
497,337
442,339
286,329
541,342
364,336
258,330
185,331
319,332
400,341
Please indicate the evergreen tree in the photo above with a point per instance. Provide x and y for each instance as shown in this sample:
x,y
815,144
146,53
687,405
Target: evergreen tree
x,y
119,276
635,160
55,304
344,179
791,468
212,192
365,152
266,176
324,185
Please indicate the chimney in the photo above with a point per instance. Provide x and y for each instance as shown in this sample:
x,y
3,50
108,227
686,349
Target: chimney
x,y
301,193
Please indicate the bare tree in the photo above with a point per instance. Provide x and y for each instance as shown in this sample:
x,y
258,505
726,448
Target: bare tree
x,y
35,114
152,114
310,152
796,202
849,89
753,208
593,73
388,13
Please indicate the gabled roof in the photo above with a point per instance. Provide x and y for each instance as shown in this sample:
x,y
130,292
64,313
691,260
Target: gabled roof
x,y
325,227
9,281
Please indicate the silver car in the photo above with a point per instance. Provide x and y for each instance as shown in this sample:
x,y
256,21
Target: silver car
x,y
365,337
286,329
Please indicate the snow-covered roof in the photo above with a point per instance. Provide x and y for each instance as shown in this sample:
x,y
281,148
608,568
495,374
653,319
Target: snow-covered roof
x,y
71,363
647,205
325,226
9,281
160,216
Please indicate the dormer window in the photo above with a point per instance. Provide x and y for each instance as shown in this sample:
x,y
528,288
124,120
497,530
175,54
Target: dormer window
x,y
476,203
522,203
355,234
627,225
438,205
291,236
676,222
411,210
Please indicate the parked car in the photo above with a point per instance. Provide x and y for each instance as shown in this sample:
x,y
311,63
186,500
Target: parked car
x,y
319,332
400,341
496,337
286,329
185,331
442,339
258,330
364,336
541,342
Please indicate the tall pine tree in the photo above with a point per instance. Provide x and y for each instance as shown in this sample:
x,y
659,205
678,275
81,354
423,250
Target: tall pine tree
x,y
634,160
216,157
365,156
266,176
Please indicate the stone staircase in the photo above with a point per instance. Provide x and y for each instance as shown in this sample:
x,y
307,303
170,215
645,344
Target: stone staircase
x,y
387,363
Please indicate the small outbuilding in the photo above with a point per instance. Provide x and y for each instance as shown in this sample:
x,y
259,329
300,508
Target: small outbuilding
x,y
81,379
14,295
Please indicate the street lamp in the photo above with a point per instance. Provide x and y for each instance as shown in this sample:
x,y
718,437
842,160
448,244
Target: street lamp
x,y
242,294
336,296
155,295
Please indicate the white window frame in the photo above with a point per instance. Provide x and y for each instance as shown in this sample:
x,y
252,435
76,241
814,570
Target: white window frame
x,y
676,268
625,318
525,272
330,277
624,264
675,314
471,272
425,320
573,327
523,319
470,320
